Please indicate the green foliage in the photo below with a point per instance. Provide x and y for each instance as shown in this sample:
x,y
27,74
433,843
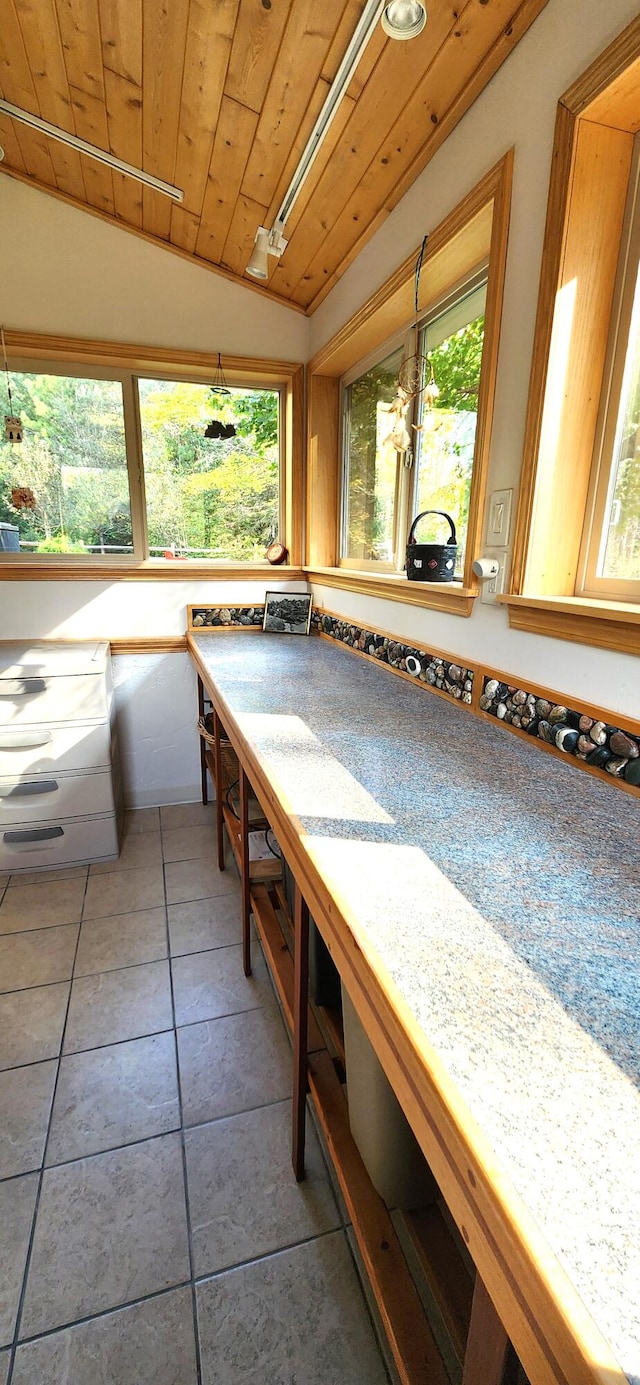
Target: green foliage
x,y
218,497
60,544
456,366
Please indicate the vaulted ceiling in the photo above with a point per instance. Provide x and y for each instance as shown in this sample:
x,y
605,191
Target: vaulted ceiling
x,y
220,96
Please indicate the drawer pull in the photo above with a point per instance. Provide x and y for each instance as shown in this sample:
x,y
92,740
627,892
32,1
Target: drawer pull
x,y
33,787
33,834
22,687
28,740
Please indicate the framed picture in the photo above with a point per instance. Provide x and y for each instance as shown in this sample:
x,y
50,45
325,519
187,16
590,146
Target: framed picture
x,y
287,613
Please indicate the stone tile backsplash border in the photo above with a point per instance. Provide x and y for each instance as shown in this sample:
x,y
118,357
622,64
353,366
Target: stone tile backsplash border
x,y
225,617
435,670
584,738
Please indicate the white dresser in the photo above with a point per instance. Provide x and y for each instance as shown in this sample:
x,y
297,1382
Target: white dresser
x,y
60,798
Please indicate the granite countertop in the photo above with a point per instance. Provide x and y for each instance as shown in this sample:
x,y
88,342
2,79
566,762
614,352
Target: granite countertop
x,y
498,887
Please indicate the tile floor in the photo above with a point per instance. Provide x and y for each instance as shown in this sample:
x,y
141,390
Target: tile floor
x,y
151,1231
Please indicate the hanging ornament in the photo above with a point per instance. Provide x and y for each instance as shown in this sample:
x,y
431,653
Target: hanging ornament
x,y
430,390
12,423
216,428
22,498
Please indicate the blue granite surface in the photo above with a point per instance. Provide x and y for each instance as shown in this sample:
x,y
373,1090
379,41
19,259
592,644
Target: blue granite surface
x,y
498,888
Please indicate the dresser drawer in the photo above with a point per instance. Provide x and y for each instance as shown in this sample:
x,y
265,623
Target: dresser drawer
x,y
60,843
30,699
51,749
55,796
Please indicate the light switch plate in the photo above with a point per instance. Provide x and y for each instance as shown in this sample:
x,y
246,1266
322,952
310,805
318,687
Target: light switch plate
x,y
492,586
499,521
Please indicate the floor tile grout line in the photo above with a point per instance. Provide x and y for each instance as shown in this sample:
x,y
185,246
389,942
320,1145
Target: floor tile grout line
x,y
183,1151
36,1208
103,1313
146,1139
197,1282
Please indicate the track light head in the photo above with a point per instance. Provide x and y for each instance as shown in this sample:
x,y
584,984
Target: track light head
x,y
404,19
258,266
266,243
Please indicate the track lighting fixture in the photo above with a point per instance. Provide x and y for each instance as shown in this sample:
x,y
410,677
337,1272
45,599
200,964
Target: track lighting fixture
x,y
402,19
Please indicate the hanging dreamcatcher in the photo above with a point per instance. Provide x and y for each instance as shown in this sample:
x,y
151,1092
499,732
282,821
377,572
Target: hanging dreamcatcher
x,y
12,423
219,390
415,377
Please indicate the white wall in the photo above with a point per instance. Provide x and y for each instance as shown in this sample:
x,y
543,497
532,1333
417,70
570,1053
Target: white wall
x,y
117,609
517,108
71,274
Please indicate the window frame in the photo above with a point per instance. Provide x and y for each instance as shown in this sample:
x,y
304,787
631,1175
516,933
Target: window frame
x,y
475,229
588,583
400,341
407,464
591,167
31,353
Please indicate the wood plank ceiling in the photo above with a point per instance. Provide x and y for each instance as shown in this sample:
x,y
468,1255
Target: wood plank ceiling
x,y
219,97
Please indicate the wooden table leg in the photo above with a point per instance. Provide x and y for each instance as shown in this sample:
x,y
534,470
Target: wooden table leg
x,y
203,763
300,1025
217,760
489,1357
246,884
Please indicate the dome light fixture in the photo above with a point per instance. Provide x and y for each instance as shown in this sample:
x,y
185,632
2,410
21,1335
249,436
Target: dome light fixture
x,y
404,19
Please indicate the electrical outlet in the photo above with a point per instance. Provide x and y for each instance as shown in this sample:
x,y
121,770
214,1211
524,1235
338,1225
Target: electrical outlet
x,y
499,521
492,586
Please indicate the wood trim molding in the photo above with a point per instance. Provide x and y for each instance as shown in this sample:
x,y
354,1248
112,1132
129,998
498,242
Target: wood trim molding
x,y
344,349
456,601
604,624
168,644
190,571
614,70
595,123
135,356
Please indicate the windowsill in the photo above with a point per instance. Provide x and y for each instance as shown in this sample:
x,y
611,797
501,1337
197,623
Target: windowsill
x,y
451,597
48,569
583,620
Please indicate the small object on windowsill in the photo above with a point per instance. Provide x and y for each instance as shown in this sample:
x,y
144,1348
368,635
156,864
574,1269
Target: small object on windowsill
x,y
178,557
276,553
431,562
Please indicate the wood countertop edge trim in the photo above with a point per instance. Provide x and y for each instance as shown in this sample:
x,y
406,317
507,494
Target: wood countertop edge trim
x,y
504,1233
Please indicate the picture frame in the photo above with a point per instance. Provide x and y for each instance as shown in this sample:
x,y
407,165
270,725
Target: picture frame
x,y
287,613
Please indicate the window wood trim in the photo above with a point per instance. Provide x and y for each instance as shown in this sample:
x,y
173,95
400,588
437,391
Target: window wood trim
x,y
248,372
581,620
475,230
591,165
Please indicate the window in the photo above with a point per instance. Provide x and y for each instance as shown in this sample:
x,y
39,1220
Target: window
x,y
611,544
71,467
452,344
205,497
382,489
371,464
575,567
117,466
